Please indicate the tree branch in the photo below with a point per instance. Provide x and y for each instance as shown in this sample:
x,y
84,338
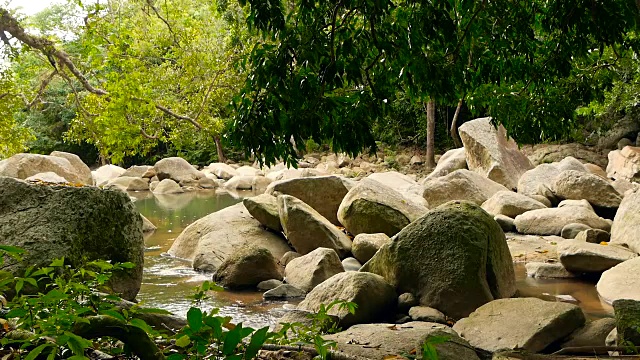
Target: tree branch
x,y
41,89
173,34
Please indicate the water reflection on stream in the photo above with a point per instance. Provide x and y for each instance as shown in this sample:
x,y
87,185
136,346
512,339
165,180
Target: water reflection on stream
x,y
168,281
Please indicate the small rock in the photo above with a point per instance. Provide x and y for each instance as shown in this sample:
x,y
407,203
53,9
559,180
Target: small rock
x,y
366,245
269,284
542,270
309,270
424,313
288,256
505,222
570,231
594,236
406,301
582,257
247,267
351,264
415,160
168,186
284,291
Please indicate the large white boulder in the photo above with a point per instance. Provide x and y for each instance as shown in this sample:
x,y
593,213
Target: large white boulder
x,y
403,184
626,224
178,170
103,174
624,164
551,221
543,175
82,170
460,185
22,166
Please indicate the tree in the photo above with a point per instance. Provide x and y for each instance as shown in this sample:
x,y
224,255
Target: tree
x,y
327,70
141,74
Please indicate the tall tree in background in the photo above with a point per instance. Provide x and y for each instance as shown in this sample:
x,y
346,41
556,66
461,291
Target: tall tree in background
x,y
327,70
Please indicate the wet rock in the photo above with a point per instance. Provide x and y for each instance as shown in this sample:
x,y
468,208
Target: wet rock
x,y
371,207
424,313
373,295
626,224
265,209
168,186
510,204
366,245
621,282
582,257
246,267
551,221
283,292
453,249
460,185
385,341
309,270
268,284
307,230
627,321
500,324
541,270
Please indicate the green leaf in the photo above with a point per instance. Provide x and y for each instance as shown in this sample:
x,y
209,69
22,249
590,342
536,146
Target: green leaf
x,y
35,352
183,341
257,340
231,340
76,343
113,313
176,356
139,323
194,318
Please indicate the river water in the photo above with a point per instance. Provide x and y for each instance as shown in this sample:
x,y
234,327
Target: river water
x,y
168,282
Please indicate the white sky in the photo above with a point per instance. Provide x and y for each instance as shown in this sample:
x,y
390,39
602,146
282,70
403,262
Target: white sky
x,y
30,7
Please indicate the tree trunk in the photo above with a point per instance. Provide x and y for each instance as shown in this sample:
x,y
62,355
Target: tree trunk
x,y
431,134
221,157
454,126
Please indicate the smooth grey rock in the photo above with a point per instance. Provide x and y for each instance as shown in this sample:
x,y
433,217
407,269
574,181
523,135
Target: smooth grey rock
x,y
176,169
460,185
583,257
246,267
578,185
620,282
307,271
167,186
366,245
626,224
351,264
551,221
268,284
570,231
424,313
284,291
450,161
542,270
406,301
510,204
264,208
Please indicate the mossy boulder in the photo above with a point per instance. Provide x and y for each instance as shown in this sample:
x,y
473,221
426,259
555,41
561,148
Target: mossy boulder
x,y
77,223
454,258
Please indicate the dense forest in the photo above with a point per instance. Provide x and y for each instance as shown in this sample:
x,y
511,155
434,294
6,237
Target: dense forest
x,y
127,82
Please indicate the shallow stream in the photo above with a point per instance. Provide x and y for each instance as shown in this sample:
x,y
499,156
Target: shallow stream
x,y
168,282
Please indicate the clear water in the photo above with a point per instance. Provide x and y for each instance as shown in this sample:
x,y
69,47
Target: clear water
x,y
168,282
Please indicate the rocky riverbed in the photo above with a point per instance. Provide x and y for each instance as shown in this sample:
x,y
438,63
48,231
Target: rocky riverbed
x,y
409,246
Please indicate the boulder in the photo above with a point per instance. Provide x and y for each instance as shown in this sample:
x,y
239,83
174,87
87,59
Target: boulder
x,y
366,245
48,177
207,183
492,153
500,324
141,171
283,292
415,160
167,186
222,170
147,226
510,204
424,313
306,318
594,236
248,182
544,174
570,231
246,267
288,256
351,264
578,185
626,224
621,282
389,341
460,185
506,223
374,297
126,183
103,174
268,284
451,161
77,223
403,184
307,230
550,153
210,240
592,334
265,209
624,164
307,271
622,186
542,199
596,170
177,169
627,321
371,207
583,257
249,171
551,221
323,193
583,203
405,302
82,170
454,249
541,270
22,166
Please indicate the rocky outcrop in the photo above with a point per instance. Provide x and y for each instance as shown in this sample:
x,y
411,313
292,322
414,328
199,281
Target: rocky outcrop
x,y
503,325
450,161
492,153
82,170
307,230
621,282
542,176
308,271
551,221
389,341
211,239
77,223
322,193
460,185
265,209
626,224
22,166
167,186
366,245
624,164
177,169
583,257
403,184
374,297
578,185
103,174
454,249
246,267
510,204
371,207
